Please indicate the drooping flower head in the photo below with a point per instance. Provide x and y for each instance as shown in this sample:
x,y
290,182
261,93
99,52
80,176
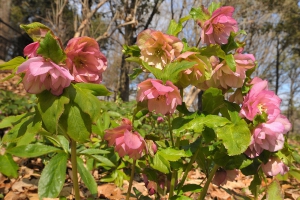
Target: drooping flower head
x,y
217,29
260,100
43,75
161,98
157,48
222,176
274,166
225,78
84,60
126,141
268,136
196,74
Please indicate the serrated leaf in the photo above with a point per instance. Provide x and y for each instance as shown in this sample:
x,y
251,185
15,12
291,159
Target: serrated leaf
x,y
52,181
274,191
32,150
8,167
50,48
213,6
51,108
171,154
172,70
87,178
161,164
13,63
230,62
95,89
235,137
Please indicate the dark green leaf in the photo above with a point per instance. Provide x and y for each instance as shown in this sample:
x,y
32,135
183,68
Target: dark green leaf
x,y
180,197
51,108
53,177
87,178
212,101
191,188
50,48
295,173
133,50
13,63
255,183
32,150
93,151
8,167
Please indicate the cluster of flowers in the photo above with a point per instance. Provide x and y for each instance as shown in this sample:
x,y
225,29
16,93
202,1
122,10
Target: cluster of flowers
x,y
84,63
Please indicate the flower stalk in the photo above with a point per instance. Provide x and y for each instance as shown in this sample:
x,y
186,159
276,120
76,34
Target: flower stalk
x,y
74,169
210,177
131,179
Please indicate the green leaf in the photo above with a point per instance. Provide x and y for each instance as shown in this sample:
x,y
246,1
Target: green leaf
x,y
212,101
8,167
103,161
295,173
255,183
231,111
230,62
156,72
171,154
160,163
236,137
95,89
180,197
213,6
191,188
93,151
75,123
212,50
86,102
136,73
32,150
10,120
172,70
50,48
53,177
274,191
231,162
87,178
133,50
13,63
198,14
51,108
174,28
35,30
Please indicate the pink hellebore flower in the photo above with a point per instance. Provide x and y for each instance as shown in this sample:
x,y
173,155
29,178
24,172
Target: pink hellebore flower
x,y
43,75
260,100
157,48
225,78
31,49
85,60
268,136
274,166
161,98
196,74
222,176
217,29
125,140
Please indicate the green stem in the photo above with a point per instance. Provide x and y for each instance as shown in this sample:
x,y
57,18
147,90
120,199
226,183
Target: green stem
x,y
172,184
210,177
74,169
188,169
170,130
131,179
